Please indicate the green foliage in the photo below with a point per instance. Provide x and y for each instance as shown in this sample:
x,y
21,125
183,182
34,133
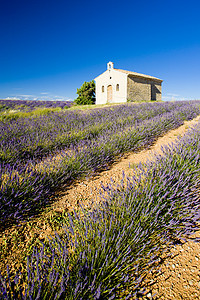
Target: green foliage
x,y
86,94
37,112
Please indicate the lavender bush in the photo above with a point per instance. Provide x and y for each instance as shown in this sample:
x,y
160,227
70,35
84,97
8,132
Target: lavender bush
x,y
24,188
31,138
105,252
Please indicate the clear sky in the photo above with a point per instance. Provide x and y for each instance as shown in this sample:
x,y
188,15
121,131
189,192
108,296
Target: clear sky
x,y
48,48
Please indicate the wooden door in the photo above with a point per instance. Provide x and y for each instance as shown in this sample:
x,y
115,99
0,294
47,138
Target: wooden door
x,y
109,93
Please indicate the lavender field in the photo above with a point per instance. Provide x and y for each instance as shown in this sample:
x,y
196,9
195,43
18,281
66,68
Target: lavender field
x,y
103,253
86,141
29,105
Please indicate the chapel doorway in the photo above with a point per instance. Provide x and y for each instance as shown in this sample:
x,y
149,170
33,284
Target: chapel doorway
x,y
155,93
109,94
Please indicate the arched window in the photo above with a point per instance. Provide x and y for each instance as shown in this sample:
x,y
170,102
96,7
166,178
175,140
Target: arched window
x,y
117,87
102,88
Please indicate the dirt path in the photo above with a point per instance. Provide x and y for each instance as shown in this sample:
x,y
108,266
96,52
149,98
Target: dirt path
x,y
180,277
85,190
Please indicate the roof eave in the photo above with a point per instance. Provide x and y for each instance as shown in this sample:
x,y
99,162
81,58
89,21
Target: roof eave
x,y
145,77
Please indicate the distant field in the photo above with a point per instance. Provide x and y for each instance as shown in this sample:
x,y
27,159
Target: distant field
x,y
46,145
28,105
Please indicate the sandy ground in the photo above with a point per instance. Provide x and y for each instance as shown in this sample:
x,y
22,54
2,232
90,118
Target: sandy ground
x,y
180,275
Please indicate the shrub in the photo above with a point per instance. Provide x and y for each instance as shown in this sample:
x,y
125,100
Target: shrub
x,y
86,94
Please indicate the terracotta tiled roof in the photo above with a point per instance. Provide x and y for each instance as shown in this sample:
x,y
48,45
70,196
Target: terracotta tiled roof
x,y
138,74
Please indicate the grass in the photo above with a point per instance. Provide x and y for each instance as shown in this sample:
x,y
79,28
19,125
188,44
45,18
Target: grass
x,y
93,106
16,114
6,113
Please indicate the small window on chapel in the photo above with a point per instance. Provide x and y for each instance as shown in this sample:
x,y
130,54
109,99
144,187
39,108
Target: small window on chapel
x,y
117,87
102,88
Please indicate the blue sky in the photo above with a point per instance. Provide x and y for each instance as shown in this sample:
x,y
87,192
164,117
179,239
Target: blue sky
x,y
48,48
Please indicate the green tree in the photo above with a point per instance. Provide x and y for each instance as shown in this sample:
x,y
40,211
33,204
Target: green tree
x,y
86,94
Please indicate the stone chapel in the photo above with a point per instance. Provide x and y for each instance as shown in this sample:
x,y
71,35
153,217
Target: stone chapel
x,y
116,85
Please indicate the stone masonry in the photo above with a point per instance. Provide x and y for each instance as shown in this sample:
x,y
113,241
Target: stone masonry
x,y
142,89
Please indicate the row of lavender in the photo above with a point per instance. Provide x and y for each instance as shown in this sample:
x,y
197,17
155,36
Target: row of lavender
x,y
33,138
26,188
28,105
114,245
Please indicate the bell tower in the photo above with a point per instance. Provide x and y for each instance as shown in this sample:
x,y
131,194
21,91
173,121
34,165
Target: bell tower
x,y
110,65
